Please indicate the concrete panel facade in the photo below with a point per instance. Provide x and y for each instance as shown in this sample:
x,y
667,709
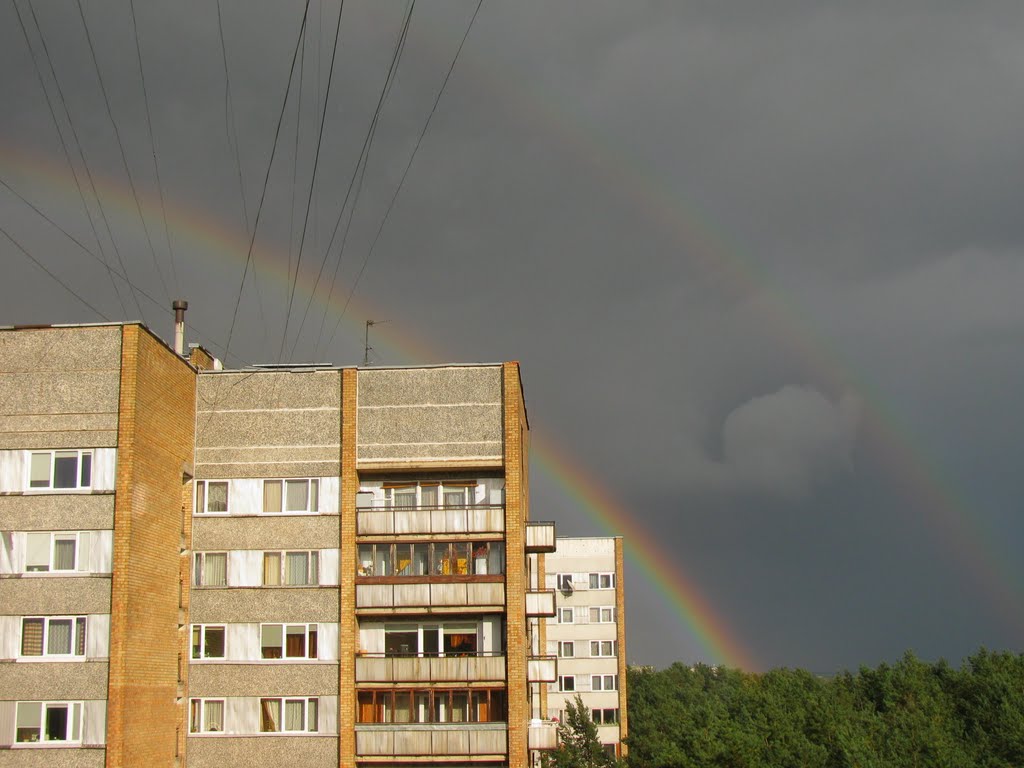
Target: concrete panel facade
x,y
257,604
47,758
54,595
269,533
263,751
299,679
57,512
56,681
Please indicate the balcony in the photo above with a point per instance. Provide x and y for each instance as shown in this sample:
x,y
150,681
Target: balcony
x,y
540,602
438,741
396,598
542,669
479,518
540,537
377,668
543,734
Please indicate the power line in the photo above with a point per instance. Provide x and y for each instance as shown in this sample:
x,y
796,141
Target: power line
x,y
120,145
312,183
161,305
405,173
67,153
42,266
266,179
152,144
358,173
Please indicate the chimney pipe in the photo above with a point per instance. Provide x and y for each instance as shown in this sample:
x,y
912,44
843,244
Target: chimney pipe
x,y
179,306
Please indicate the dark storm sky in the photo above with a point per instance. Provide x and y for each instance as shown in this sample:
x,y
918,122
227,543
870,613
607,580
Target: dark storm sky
x,y
761,264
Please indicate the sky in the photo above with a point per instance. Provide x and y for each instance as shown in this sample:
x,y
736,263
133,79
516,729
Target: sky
x,y
760,264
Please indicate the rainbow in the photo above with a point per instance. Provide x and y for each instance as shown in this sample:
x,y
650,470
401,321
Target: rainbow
x,y
945,513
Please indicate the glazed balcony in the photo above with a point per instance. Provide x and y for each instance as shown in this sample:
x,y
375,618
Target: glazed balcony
x,y
542,669
441,741
476,518
540,603
473,592
543,734
540,537
482,667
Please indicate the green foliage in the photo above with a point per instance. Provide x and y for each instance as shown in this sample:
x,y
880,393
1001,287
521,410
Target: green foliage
x,y
912,714
579,746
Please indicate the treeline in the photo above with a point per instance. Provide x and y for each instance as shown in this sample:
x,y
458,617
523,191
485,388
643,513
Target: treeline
x,y
912,713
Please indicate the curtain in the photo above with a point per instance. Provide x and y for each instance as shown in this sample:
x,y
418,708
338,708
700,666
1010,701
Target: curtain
x,y
296,568
295,497
270,715
217,497
295,642
271,495
39,472
271,569
58,640
213,719
37,552
32,637
271,641
295,715
314,495
64,553
80,636
216,570
428,495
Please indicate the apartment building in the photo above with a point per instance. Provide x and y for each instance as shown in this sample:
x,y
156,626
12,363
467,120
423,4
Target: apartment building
x,y
311,565
588,633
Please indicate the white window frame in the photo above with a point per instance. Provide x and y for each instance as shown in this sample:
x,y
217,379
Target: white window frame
x,y
562,679
78,486
46,655
312,567
199,570
202,715
79,536
602,718
308,629
310,715
601,613
563,582
468,487
562,613
202,628
604,683
597,648
603,581
74,723
203,495
309,509
564,645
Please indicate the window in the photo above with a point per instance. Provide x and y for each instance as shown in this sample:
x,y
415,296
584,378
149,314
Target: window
x,y
429,495
291,569
566,649
211,569
604,682
50,552
206,716
300,715
207,641
43,721
449,639
60,470
563,581
431,706
288,641
291,496
603,647
602,581
605,716
602,615
565,616
567,683
53,636
458,558
211,497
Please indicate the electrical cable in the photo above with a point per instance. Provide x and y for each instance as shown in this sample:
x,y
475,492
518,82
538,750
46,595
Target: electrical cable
x,y
408,165
266,179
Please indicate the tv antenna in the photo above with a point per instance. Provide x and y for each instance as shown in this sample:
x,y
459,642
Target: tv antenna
x,y
366,339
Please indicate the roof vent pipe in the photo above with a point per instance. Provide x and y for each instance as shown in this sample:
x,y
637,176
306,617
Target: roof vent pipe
x,y
179,306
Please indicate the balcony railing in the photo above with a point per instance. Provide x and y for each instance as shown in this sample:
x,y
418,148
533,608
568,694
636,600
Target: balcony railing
x,y
411,739
432,595
543,734
540,602
477,518
540,537
542,669
483,667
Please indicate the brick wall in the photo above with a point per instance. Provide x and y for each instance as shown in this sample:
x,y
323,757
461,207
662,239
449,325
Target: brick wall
x,y
155,446
348,635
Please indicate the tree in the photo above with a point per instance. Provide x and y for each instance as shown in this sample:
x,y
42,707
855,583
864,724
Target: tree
x,y
579,746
